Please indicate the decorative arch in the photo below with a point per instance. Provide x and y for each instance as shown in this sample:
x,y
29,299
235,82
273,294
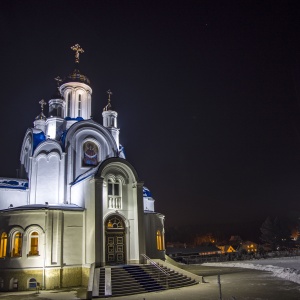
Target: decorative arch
x,y
117,166
32,283
13,284
34,234
16,241
48,147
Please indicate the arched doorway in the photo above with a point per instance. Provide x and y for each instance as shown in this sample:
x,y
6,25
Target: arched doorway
x,y
115,241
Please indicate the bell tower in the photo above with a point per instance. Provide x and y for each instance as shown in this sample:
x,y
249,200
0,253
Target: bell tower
x,y
110,119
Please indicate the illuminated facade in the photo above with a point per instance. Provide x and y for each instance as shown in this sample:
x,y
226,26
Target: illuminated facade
x,y
78,201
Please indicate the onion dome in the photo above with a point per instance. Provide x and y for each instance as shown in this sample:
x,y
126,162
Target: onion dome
x,y
76,76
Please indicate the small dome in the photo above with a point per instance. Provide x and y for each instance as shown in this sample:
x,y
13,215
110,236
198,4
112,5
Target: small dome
x,y
146,192
77,77
41,116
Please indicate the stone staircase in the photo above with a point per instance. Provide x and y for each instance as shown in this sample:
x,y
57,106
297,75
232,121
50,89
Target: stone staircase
x,y
137,279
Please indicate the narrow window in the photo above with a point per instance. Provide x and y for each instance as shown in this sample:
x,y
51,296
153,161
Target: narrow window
x,y
17,245
34,243
79,105
110,189
3,245
159,243
69,105
59,111
114,194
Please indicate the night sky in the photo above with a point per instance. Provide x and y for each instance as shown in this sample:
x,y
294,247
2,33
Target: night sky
x,y
208,96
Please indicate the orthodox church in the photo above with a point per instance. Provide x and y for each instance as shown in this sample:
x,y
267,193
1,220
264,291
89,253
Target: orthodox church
x,y
77,202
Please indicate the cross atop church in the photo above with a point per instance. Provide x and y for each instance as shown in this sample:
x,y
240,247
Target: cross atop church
x,y
43,103
108,106
58,80
77,50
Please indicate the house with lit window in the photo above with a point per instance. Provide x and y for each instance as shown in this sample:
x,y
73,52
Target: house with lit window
x,y
77,202
249,246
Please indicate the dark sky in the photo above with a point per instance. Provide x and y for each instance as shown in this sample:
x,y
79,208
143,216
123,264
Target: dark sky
x,y
208,95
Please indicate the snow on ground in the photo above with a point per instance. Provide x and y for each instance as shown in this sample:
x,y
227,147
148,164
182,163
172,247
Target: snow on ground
x,y
284,267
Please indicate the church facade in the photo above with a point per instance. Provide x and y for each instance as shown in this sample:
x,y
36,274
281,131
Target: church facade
x,y
77,202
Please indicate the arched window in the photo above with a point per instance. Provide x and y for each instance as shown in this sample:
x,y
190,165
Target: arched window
x,y
3,244
69,105
90,154
159,240
114,194
32,283
17,245
34,243
79,105
115,223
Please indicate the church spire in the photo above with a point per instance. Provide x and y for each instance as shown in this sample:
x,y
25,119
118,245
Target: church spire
x,y
110,119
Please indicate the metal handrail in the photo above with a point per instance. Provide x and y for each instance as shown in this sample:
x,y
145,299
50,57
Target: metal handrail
x,y
158,267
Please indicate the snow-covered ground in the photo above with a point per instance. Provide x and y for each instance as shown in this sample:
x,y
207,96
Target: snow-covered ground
x,y
284,267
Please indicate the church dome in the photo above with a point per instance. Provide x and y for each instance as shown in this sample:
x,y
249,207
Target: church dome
x,y
76,76
146,192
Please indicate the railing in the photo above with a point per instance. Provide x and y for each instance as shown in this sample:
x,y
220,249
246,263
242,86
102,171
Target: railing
x,y
115,202
158,267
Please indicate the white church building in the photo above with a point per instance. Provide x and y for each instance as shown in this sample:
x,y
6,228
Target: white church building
x,y
77,202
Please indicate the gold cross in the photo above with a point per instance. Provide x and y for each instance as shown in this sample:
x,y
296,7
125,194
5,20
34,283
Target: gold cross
x,y
77,50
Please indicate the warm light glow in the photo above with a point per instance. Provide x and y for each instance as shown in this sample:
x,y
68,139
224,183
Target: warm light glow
x,y
159,240
3,245
17,244
34,244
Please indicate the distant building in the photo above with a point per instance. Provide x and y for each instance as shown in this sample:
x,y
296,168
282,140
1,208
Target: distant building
x,y
249,246
226,249
78,201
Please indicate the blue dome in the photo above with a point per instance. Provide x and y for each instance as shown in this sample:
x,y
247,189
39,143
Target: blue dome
x,y
38,137
146,192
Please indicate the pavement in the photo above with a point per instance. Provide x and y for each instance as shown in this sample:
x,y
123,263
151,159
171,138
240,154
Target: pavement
x,y
236,284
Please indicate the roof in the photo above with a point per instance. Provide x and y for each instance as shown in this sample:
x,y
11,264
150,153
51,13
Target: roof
x,y
92,171
13,183
146,192
76,76
59,206
38,137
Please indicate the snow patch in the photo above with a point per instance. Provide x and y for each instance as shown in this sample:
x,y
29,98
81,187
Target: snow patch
x,y
287,268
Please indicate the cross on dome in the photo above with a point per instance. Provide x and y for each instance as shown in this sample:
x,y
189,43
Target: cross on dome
x,y
77,50
43,103
108,106
41,116
58,80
